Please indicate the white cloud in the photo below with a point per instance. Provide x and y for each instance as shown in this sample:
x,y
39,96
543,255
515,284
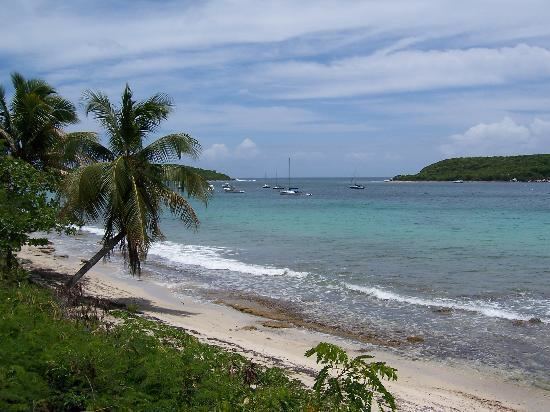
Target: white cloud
x,y
216,151
245,150
501,138
404,71
101,30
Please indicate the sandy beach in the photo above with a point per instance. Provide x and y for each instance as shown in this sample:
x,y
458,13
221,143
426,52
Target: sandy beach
x,y
422,385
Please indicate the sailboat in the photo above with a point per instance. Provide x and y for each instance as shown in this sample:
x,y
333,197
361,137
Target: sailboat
x,y
265,186
292,191
277,187
355,185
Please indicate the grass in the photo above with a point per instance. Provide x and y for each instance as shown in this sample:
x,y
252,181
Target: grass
x,y
59,355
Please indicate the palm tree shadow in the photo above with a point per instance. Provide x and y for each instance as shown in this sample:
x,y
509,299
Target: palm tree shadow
x,y
146,305
56,280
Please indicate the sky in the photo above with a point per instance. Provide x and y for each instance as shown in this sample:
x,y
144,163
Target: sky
x,y
371,88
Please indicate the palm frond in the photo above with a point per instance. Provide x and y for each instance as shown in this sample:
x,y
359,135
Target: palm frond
x,y
129,130
151,112
171,147
99,105
188,180
136,223
63,111
81,148
181,208
85,192
4,112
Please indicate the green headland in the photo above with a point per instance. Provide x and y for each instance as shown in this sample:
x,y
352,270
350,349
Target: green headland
x,y
496,168
209,174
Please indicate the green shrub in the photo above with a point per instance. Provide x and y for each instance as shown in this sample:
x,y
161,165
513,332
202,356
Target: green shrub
x,y
351,384
53,358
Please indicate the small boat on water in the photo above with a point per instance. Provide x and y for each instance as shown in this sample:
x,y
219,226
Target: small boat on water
x,y
458,181
225,185
291,191
265,186
232,189
277,187
355,185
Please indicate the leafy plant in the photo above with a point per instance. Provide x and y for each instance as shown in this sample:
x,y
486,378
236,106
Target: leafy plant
x,y
351,384
26,207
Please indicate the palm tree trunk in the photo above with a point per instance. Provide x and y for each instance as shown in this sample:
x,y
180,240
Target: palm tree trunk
x,y
96,258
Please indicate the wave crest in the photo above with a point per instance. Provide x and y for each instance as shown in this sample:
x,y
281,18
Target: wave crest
x,y
483,308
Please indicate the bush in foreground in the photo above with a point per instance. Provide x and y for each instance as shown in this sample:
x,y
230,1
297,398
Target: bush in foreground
x,y
57,357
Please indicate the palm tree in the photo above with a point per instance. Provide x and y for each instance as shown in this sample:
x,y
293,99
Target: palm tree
x,y
32,123
126,184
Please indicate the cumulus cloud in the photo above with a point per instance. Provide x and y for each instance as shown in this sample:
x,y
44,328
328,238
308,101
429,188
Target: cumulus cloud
x,y
501,138
245,150
216,151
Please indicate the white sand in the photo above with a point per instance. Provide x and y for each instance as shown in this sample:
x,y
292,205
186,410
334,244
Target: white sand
x,y
422,385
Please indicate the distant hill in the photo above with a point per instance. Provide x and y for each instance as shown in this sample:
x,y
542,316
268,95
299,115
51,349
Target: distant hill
x,y
210,174
502,168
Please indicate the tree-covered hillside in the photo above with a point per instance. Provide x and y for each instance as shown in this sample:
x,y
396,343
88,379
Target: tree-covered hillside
x,y
210,174
503,168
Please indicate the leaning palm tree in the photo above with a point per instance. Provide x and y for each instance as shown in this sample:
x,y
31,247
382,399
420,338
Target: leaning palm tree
x,y
126,184
31,125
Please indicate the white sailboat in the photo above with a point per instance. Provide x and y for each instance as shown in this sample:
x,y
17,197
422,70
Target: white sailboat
x,y
291,191
277,187
265,186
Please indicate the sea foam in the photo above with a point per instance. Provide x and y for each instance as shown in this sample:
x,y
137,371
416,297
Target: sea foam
x,y
94,230
483,308
207,257
213,258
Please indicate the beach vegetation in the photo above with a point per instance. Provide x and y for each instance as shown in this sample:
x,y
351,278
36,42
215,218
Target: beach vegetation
x,y
67,353
351,384
125,184
26,207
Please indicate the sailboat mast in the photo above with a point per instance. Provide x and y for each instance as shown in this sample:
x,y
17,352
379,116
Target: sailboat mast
x,y
289,173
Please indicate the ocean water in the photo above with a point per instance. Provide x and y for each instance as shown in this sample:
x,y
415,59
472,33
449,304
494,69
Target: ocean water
x,y
464,266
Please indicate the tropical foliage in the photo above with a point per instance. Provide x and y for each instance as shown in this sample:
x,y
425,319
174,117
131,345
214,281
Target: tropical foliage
x,y
32,124
63,352
503,168
351,384
25,208
54,358
126,184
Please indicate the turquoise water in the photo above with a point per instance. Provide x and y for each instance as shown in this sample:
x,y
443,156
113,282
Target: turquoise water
x,y
465,266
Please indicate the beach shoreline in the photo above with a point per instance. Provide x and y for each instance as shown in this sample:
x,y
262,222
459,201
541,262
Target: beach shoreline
x,y
422,384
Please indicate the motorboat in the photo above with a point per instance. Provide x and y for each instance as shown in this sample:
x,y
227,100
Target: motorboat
x,y
458,181
232,189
